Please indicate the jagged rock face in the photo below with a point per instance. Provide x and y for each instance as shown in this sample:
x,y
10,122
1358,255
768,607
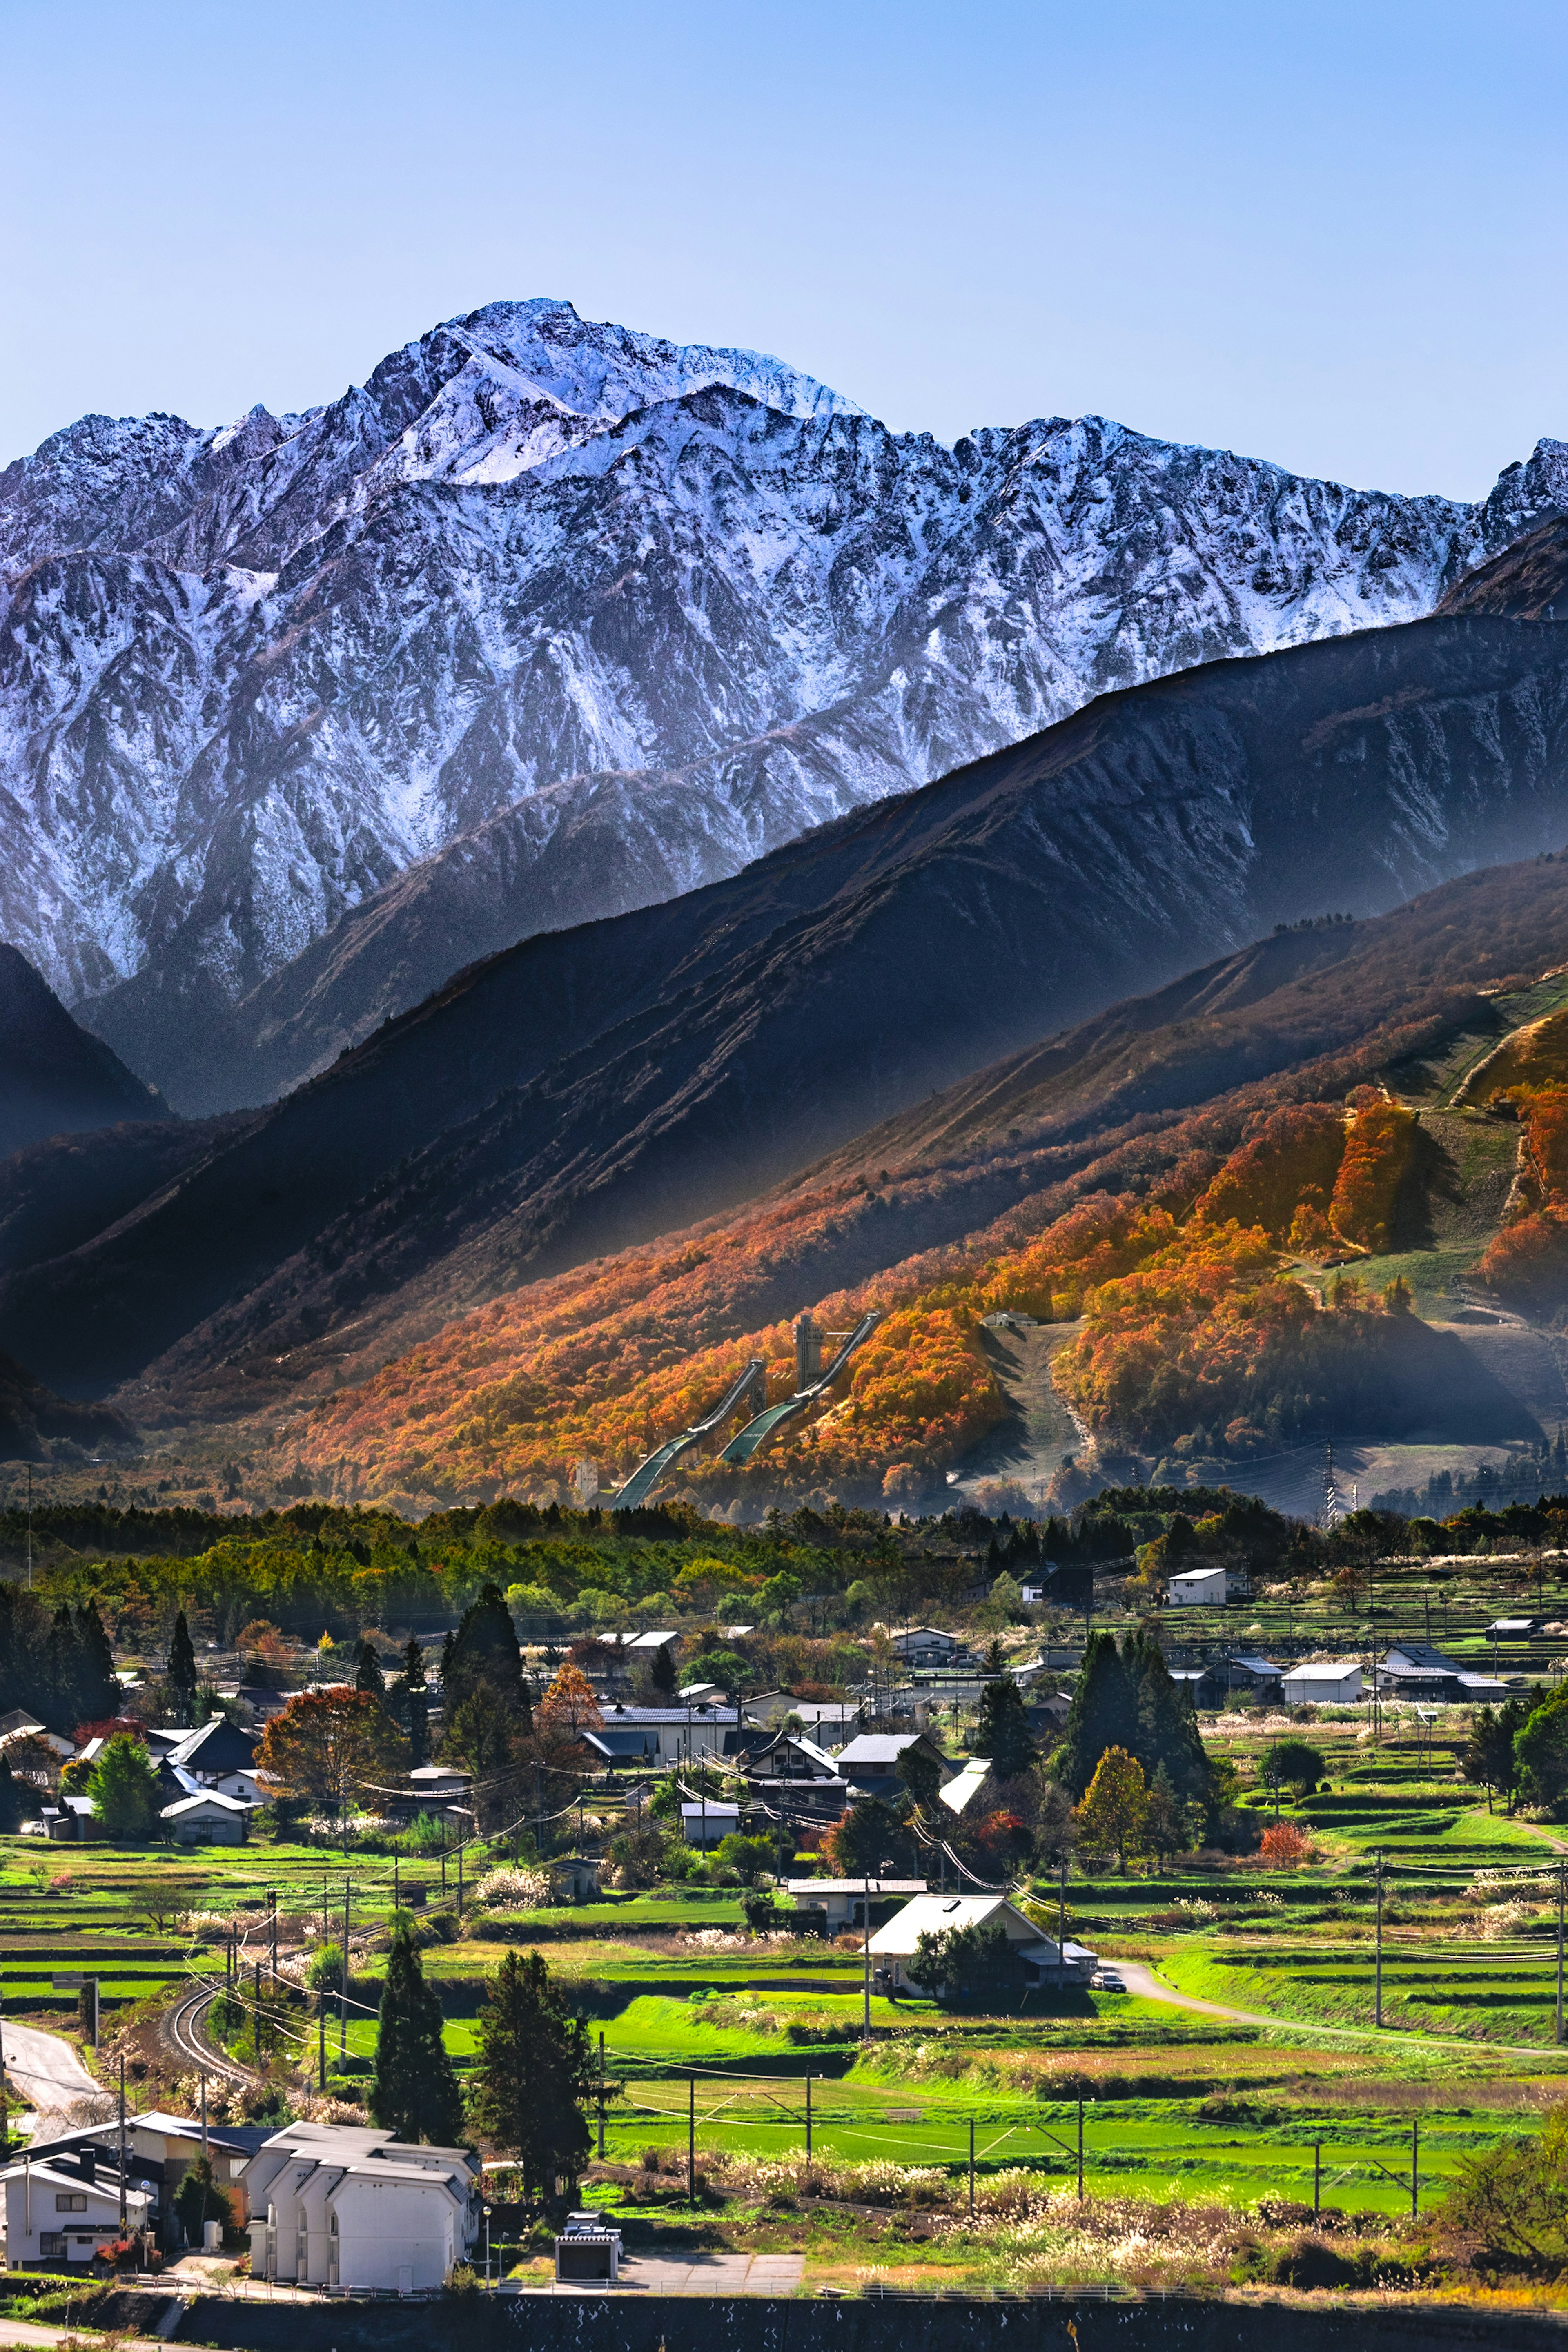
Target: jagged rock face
x,y
250,678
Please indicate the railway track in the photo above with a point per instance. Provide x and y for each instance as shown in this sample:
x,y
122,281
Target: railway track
x,y
182,2028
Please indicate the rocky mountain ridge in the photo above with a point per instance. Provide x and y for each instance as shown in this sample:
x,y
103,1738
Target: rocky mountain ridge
x,y
594,1088
590,619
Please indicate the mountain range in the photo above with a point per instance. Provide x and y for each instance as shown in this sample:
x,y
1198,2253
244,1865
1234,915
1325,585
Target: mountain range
x,y
589,1090
550,620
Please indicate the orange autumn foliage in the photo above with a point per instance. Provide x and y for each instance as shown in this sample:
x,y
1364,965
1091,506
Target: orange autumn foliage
x,y
1187,1323
1528,1261
1376,1155
1291,1162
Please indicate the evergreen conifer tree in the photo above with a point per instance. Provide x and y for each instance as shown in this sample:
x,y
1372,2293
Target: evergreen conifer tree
x,y
98,1686
1103,1715
485,1650
533,2075
182,1673
415,2093
368,1675
661,1673
415,1704
13,1800
1002,1730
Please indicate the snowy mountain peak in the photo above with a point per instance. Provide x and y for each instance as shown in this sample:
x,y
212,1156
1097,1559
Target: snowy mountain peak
x,y
248,676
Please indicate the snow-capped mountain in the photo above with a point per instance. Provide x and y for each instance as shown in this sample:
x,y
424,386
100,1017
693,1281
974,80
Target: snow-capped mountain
x,y
248,678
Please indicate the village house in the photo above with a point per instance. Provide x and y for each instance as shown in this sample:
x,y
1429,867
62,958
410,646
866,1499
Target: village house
x,y
843,1899
336,2205
1042,1961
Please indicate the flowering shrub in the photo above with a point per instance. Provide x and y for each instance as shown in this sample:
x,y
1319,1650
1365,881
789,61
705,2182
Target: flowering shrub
x,y
515,1890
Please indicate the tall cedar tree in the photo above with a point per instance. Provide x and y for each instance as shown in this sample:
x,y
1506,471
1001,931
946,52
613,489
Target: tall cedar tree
x,y
533,2075
75,1679
661,1673
413,1700
13,1800
368,1676
1003,1731
1127,1699
484,1650
415,2093
182,1673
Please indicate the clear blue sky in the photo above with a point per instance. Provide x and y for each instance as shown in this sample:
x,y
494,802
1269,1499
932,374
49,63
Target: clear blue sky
x,y
1329,234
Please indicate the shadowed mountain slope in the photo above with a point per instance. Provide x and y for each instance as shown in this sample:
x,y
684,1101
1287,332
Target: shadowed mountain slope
x,y
594,1088
54,1077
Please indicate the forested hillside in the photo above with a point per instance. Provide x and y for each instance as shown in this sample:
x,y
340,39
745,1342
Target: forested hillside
x,y
1103,1183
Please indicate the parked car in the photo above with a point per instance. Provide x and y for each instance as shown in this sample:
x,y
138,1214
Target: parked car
x,y
1105,1980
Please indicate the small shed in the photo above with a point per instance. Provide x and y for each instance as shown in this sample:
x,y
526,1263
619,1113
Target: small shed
x,y
207,1819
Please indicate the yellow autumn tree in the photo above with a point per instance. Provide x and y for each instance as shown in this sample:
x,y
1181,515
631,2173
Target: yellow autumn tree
x,y
1113,1817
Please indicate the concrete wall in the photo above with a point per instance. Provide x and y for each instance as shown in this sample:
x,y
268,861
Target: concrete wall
x,y
624,2323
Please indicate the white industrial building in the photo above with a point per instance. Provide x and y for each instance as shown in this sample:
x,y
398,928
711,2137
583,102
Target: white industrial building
x,y
1336,1683
333,2205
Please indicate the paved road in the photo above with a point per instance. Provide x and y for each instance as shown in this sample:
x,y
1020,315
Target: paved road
x,y
46,2070
1142,1981
723,2275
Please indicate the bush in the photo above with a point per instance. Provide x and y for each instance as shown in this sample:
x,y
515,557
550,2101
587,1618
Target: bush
x,y
1285,1847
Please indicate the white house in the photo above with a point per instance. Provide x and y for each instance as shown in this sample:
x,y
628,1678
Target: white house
x,y
340,2206
54,2213
1043,1960
1198,1588
1336,1683
208,1818
667,1734
708,1825
843,1899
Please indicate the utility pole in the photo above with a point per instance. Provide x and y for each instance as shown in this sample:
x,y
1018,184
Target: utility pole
x,y
1316,2180
4,2113
29,1527
1061,1904
972,2168
204,2111
1378,1860
808,2119
1080,2147
601,2098
272,1920
343,1996
1415,2167
691,2139
122,2143
1561,1889
321,2040
866,1959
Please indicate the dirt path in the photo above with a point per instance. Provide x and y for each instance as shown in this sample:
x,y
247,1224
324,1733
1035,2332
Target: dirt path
x,y
1039,1433
1141,1980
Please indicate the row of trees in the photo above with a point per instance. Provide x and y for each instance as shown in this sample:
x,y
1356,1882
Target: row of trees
x,y
529,2082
